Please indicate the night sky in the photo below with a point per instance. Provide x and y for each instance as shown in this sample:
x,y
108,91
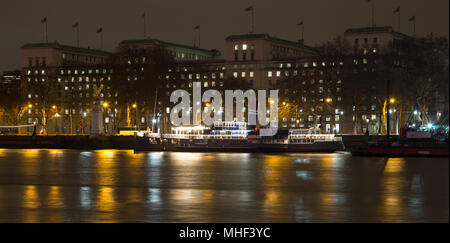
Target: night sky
x,y
173,20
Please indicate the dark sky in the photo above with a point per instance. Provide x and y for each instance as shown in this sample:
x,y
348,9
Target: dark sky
x,y
173,20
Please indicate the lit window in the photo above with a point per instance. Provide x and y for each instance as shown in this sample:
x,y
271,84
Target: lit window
x,y
251,74
236,47
243,74
244,47
269,74
235,74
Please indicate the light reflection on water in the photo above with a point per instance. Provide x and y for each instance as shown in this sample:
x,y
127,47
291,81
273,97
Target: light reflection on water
x,y
121,186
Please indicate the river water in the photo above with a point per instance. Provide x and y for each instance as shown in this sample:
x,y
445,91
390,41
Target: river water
x,y
121,186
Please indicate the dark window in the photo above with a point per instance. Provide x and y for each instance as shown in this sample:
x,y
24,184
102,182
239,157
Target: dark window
x,y
375,40
244,56
356,41
37,61
252,56
44,63
235,56
30,61
365,40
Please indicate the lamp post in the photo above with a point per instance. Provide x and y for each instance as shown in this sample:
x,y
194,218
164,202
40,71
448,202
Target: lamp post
x,y
105,106
21,113
393,101
55,108
135,115
83,122
367,128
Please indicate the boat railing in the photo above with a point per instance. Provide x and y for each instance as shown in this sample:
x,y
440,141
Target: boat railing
x,y
316,137
206,136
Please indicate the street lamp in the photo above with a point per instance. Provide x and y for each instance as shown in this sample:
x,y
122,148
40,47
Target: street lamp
x,y
328,100
21,113
392,100
105,119
135,115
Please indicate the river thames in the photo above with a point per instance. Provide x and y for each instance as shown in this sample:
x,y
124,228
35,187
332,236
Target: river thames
x,y
39,185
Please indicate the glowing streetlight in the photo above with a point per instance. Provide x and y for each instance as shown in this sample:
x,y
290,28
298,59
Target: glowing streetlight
x,y
105,104
429,125
54,107
392,101
134,105
328,100
30,105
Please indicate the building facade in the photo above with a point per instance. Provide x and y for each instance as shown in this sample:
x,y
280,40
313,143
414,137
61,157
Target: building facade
x,y
332,93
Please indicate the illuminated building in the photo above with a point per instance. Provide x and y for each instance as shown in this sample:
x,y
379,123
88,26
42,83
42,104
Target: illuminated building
x,y
323,85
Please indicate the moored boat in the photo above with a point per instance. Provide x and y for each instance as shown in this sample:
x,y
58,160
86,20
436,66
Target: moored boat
x,y
237,137
410,143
